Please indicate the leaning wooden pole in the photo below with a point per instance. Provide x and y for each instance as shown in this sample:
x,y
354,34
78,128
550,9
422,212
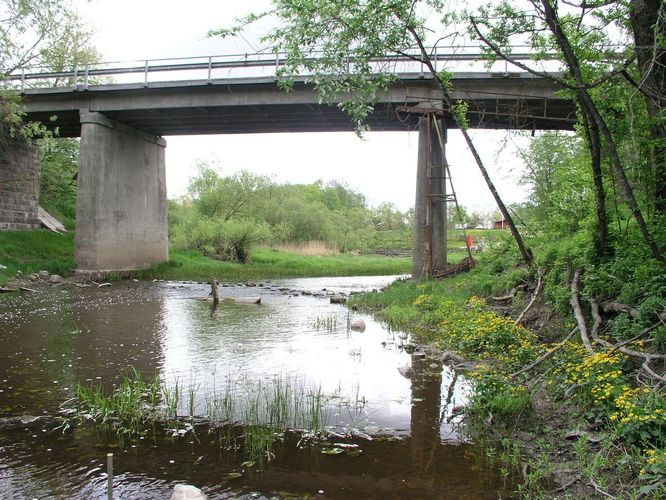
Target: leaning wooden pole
x,y
214,291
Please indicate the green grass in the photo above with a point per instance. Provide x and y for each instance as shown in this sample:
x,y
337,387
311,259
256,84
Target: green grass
x,y
401,239
272,263
32,251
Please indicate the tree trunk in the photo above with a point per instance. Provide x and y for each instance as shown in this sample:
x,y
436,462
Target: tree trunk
x,y
648,24
594,145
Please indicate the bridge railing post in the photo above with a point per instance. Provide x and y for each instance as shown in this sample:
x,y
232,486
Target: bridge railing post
x,y
22,79
277,63
145,74
85,77
210,69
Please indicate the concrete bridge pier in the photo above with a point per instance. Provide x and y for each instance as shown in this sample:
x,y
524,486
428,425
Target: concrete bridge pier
x,y
429,249
121,210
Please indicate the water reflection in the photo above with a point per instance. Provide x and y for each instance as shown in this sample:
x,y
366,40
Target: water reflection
x,y
62,336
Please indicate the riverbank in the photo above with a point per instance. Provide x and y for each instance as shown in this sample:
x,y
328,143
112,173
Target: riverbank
x,y
572,422
33,251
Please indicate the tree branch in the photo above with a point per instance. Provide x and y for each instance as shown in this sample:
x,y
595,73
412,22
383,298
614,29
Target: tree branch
x,y
578,313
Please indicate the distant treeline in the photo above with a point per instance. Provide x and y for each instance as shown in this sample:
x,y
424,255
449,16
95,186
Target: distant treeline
x,y
223,217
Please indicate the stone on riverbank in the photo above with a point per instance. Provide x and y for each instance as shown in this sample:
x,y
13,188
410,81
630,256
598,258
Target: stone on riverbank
x,y
187,492
358,325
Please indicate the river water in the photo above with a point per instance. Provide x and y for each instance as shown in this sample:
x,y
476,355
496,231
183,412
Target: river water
x,y
62,336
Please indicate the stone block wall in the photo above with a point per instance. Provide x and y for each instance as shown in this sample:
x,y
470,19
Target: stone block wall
x,y
19,184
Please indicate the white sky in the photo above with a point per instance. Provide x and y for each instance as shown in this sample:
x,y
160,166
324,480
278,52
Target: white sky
x,y
382,167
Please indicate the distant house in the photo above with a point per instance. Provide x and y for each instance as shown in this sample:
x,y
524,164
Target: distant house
x,y
500,224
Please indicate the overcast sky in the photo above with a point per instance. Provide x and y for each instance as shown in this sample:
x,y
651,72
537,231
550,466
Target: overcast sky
x,y
382,167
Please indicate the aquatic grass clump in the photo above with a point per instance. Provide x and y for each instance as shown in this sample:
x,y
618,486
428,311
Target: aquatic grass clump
x,y
327,323
129,410
247,415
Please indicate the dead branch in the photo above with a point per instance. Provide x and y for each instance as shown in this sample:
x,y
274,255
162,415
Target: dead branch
x,y
642,333
214,291
616,307
546,355
578,312
595,336
598,489
566,485
630,352
511,295
537,291
652,374
597,320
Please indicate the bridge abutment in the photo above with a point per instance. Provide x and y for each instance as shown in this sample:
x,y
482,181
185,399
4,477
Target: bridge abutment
x,y
429,232
19,183
121,206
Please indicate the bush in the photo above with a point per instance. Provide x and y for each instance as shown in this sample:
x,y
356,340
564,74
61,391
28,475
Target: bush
x,y
229,240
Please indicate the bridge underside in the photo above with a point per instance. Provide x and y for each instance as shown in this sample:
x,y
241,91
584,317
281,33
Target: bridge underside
x,y
259,106
528,114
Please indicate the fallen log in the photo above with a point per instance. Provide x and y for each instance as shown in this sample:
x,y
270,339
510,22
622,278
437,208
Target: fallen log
x,y
537,292
454,269
8,290
511,294
546,355
578,312
616,307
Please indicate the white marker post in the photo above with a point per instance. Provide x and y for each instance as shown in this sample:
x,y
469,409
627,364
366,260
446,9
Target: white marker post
x,y
109,475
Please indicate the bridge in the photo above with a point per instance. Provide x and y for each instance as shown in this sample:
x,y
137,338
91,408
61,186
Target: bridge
x,y
121,205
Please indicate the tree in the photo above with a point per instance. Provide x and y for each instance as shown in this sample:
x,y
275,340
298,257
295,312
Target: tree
x,y
230,197
59,168
579,35
349,50
38,34
648,25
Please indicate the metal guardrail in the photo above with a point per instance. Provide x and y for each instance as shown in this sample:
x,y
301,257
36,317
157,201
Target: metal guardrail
x,y
80,78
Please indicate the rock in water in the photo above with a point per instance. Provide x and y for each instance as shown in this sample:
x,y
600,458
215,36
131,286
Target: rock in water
x,y
187,492
406,371
358,325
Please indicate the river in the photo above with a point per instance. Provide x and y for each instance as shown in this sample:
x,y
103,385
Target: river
x,y
64,335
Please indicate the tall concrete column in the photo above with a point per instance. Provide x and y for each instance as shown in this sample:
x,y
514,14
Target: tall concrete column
x,y
429,252
121,212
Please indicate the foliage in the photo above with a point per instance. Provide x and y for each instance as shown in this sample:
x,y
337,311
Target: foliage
x,y
495,395
224,217
44,35
58,173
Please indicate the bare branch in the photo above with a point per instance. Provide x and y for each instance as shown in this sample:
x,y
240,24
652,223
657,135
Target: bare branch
x,y
578,313
537,291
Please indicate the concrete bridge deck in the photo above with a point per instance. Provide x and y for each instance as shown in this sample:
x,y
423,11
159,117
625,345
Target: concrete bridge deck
x,y
258,105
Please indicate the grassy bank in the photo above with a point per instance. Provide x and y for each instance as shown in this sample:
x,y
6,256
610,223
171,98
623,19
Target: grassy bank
x,y
572,421
32,251
273,263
